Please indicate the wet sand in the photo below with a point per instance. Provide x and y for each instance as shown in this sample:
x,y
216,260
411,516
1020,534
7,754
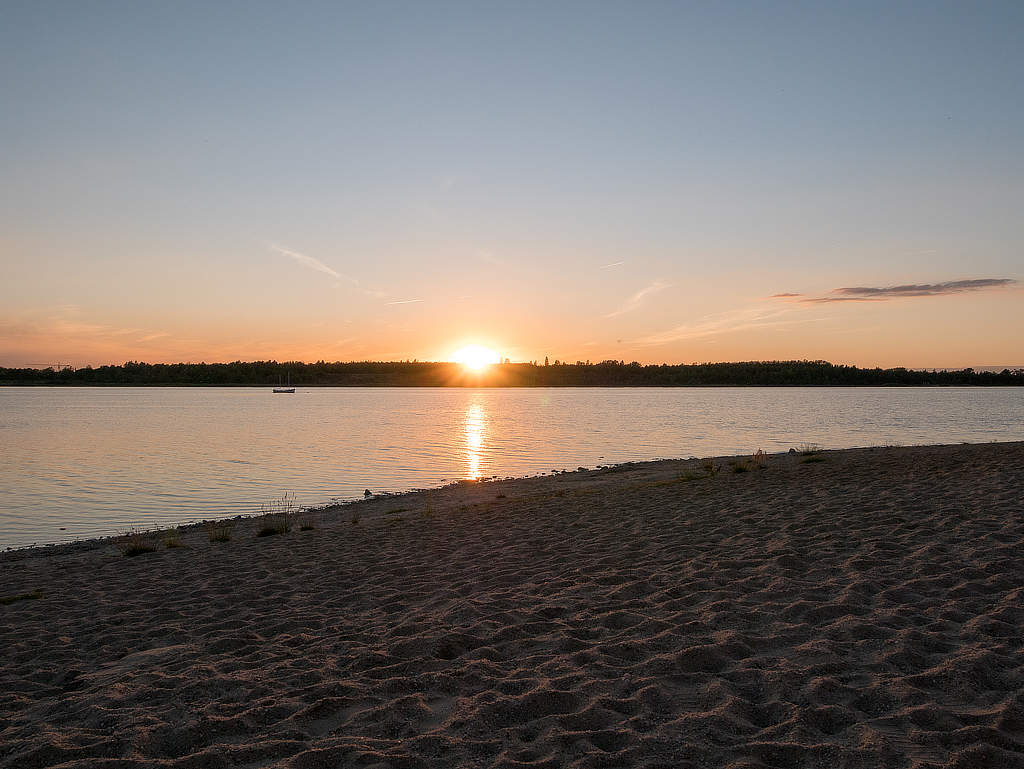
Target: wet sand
x,y
864,610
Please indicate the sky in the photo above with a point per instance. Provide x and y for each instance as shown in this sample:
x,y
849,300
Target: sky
x,y
654,181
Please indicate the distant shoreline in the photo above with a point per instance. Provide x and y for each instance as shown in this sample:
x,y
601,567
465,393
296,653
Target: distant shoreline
x,y
111,385
607,373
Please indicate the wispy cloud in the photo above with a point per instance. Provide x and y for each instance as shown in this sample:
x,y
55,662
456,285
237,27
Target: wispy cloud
x,y
315,264
725,323
62,334
639,297
485,255
613,264
405,301
309,261
878,294
783,296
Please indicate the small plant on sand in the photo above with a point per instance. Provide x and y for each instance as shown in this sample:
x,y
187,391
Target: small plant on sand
x,y
271,525
355,519
740,467
308,521
709,467
807,449
172,538
135,543
277,516
428,506
219,531
9,599
688,475
759,459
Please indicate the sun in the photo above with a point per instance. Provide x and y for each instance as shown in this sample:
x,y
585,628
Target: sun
x,y
475,357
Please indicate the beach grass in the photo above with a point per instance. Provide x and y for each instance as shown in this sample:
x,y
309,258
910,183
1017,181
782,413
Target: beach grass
x,y
172,538
219,531
135,543
271,525
309,520
277,516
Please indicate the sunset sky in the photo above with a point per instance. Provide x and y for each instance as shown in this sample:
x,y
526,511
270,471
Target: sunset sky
x,y
651,181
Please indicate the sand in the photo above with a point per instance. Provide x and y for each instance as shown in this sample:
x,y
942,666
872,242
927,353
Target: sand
x,y
861,611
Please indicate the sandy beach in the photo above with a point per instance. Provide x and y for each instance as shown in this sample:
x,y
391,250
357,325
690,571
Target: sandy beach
x,y
859,608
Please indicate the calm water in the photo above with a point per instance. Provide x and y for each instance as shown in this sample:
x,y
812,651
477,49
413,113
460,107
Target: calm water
x,y
79,462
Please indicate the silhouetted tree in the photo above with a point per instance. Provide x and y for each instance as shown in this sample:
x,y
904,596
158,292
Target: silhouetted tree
x,y
608,373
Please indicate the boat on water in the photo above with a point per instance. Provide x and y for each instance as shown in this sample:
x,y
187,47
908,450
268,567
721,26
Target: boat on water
x,y
287,388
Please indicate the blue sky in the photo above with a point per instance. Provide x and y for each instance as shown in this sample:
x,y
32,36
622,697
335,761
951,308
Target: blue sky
x,y
583,180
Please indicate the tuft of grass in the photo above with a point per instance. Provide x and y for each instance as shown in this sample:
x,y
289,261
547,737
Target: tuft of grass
x,y
709,467
355,519
428,506
219,531
759,459
686,475
808,449
135,543
9,599
277,516
809,458
172,538
273,524
740,467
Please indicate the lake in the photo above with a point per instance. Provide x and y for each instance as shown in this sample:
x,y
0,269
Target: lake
x,y
83,462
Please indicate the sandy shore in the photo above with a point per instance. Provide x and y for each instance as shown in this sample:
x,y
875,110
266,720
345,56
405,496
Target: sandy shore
x,y
866,610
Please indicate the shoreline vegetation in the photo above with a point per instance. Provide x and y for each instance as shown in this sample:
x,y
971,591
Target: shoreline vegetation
x,y
850,608
607,373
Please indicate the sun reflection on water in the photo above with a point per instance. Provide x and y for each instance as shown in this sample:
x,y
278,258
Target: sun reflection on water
x,y
476,421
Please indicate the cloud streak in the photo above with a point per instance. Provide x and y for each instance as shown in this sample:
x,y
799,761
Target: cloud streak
x,y
639,298
315,264
724,323
878,294
310,262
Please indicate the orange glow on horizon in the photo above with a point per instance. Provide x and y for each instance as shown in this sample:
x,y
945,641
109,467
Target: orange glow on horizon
x,y
475,357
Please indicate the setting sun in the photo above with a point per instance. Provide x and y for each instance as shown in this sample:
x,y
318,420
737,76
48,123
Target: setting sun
x,y
475,357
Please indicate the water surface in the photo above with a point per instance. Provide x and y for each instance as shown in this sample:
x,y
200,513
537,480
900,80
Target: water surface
x,y
79,462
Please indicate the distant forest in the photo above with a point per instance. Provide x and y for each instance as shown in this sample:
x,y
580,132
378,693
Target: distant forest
x,y
609,373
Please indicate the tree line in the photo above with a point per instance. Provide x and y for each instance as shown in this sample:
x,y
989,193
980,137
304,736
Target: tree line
x,y
608,373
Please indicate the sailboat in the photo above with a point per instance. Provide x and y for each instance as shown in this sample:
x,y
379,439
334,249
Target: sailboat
x,y
288,388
